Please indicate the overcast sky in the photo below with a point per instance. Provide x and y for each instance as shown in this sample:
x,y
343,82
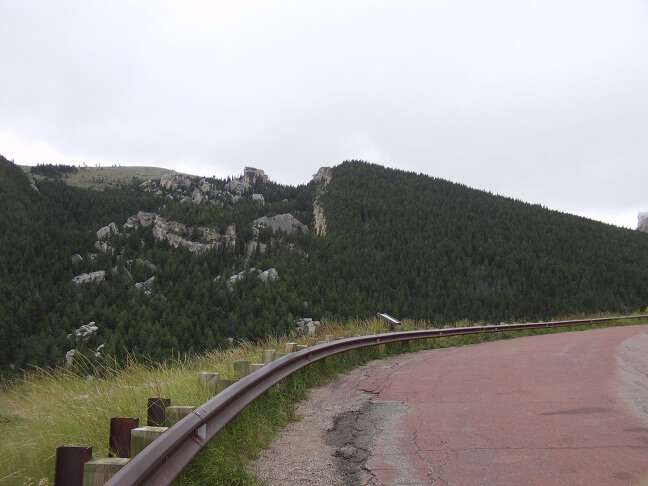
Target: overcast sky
x,y
544,101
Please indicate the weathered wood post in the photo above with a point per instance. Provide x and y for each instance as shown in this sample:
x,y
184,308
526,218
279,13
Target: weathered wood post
x,y
255,367
143,436
97,472
176,413
241,368
68,468
291,347
268,356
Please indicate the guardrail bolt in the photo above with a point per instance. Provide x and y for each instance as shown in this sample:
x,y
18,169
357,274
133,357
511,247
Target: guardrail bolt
x,y
68,469
97,472
176,413
268,356
241,368
120,432
155,411
143,436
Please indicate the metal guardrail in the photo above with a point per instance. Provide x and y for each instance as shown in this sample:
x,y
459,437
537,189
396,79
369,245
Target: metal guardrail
x,y
163,461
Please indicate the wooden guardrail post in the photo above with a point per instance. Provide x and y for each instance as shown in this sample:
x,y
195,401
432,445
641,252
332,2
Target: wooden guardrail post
x,y
255,367
204,377
241,368
68,469
268,356
155,411
290,347
175,413
97,471
143,436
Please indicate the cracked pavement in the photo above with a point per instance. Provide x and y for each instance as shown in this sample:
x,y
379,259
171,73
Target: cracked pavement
x,y
568,408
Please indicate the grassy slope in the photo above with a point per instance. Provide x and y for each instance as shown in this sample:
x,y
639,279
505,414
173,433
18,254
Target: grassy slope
x,y
54,407
106,177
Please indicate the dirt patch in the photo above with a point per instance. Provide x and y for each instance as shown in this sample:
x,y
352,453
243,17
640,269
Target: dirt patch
x,y
330,445
353,437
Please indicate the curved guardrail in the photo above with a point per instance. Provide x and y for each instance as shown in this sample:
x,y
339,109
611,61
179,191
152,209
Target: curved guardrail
x,y
163,461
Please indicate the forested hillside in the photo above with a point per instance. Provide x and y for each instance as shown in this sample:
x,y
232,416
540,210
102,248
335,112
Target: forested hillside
x,y
430,249
192,262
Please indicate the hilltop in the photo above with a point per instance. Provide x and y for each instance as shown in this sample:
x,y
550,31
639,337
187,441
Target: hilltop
x,y
164,265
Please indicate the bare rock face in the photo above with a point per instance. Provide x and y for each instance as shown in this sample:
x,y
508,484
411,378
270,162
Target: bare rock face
x,y
251,175
145,219
307,325
320,219
76,259
85,333
269,275
104,247
323,175
642,222
107,231
282,222
69,357
237,187
92,277
147,286
258,198
172,182
176,233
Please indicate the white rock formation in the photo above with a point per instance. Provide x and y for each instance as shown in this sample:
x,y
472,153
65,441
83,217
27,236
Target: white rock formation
x,y
282,222
85,333
107,231
237,187
642,219
320,219
92,277
172,182
104,247
269,275
258,198
147,286
76,259
323,175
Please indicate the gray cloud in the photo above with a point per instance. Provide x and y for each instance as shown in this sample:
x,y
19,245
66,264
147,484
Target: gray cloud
x,y
541,101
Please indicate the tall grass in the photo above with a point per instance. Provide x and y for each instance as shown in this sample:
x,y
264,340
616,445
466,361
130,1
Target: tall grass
x,y
50,407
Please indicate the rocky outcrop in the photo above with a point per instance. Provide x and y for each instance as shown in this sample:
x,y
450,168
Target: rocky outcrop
x,y
147,286
107,231
307,325
32,182
237,187
642,219
258,198
251,175
173,182
84,333
320,219
323,175
69,357
282,222
104,247
269,275
76,259
92,277
175,233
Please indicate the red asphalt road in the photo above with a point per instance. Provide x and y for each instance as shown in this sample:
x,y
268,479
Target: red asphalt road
x,y
567,408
